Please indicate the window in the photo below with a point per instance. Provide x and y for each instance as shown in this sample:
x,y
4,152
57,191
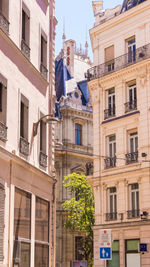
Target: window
x,y
78,248
131,50
110,160
24,145
132,98
115,255
43,156
2,209
110,111
25,34
4,15
3,108
134,211
43,66
131,251
109,58
22,229
42,233
132,156
78,134
112,204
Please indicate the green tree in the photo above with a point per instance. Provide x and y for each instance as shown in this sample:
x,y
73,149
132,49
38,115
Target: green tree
x,y
80,211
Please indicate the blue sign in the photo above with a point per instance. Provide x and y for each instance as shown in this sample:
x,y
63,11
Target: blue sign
x,y
105,253
142,247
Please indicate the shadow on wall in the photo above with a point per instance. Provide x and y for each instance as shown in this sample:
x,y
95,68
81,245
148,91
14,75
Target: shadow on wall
x,y
42,5
23,68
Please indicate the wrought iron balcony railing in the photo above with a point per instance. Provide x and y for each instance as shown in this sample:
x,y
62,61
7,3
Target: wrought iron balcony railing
x,y
3,132
43,71
131,214
43,159
110,162
109,113
4,24
119,63
131,157
25,49
112,216
129,106
24,146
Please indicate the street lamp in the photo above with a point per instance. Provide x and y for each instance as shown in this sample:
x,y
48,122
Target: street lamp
x,y
50,119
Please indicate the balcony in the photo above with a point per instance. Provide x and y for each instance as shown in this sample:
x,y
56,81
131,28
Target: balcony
x,y
4,24
110,162
108,113
25,49
112,216
43,71
119,63
131,214
130,106
3,132
131,157
43,159
24,146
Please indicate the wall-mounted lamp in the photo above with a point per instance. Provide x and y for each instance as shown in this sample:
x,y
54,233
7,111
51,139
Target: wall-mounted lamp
x,y
48,120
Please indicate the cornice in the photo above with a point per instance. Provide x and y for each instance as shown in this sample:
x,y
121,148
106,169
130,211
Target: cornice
x,y
8,156
119,19
68,111
22,57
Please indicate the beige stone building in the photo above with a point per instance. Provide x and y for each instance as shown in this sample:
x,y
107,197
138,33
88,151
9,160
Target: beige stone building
x,y
119,85
27,181
73,139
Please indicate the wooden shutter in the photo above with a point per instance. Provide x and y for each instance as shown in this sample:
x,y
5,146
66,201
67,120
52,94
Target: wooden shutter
x,y
2,205
109,53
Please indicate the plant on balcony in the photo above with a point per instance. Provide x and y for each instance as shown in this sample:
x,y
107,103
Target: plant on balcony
x,y
80,211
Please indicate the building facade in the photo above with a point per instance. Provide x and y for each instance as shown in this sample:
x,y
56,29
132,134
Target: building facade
x,y
119,87
27,199
73,140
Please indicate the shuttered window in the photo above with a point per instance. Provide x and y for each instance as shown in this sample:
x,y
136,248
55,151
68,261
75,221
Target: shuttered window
x,y
2,203
109,53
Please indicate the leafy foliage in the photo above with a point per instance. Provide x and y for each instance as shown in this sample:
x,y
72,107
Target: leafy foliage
x,y
80,210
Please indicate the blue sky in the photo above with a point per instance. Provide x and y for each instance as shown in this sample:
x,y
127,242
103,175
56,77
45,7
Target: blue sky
x,y
78,15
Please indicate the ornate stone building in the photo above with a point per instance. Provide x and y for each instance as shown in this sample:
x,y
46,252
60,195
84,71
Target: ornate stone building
x,y
73,140
27,203
119,85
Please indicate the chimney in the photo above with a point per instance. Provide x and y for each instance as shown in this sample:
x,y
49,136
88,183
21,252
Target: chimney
x,y
97,7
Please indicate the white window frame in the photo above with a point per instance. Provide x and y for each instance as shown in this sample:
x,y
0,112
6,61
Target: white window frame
x,y
114,200
133,135
113,144
136,202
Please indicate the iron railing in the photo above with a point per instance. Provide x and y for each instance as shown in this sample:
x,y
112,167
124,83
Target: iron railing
x,y
24,146
25,49
131,157
43,71
112,216
133,214
3,132
4,24
43,159
110,162
119,63
129,106
110,112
